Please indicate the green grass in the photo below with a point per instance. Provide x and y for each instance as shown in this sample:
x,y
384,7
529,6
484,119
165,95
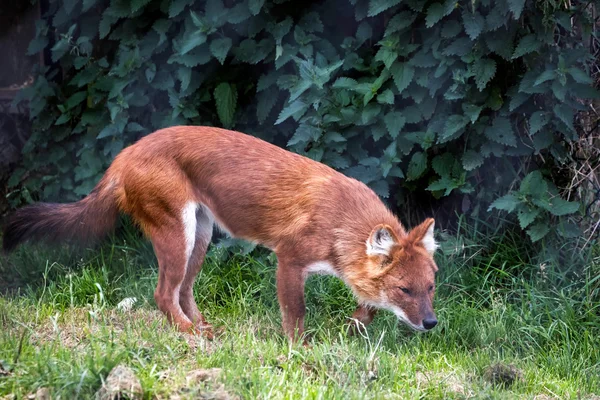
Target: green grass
x,y
62,330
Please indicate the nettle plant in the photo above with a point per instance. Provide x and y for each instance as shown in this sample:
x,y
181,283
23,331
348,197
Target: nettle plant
x,y
450,96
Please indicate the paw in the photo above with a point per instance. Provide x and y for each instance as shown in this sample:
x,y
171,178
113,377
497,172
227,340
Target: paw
x,y
205,330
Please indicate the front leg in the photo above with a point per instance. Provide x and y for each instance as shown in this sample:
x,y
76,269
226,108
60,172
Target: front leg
x,y
290,292
362,317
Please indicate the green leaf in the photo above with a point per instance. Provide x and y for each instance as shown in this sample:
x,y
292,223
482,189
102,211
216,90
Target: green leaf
x,y
297,107
534,185
387,97
150,72
545,76
191,41
238,14
137,4
543,140
394,122
416,166
454,124
444,183
517,100
403,74
474,23
134,127
501,132
59,49
219,48
305,133
435,13
527,215
345,83
559,90
386,56
516,7
538,231
311,22
496,17
334,137
451,29
472,111
63,119
472,160
538,120
226,101
199,56
185,75
177,6
442,164
559,206
363,32
76,99
527,44
266,101
369,113
255,6
507,202
378,6
460,47
565,114
484,70
579,76
87,4
380,187
37,45
569,230
400,21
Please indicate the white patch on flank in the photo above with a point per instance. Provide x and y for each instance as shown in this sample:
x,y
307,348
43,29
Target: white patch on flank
x,y
380,243
220,226
205,221
321,268
188,216
429,241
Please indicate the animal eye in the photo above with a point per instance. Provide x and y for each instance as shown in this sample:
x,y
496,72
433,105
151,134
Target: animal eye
x,y
430,288
405,290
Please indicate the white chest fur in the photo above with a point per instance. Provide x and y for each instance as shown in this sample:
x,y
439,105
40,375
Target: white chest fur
x,y
321,268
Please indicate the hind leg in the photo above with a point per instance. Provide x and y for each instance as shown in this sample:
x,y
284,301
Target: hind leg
x,y
173,242
204,228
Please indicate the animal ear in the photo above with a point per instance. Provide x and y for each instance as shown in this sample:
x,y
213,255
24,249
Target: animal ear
x,y
424,233
381,240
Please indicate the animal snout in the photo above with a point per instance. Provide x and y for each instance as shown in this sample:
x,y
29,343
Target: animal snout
x,y
429,323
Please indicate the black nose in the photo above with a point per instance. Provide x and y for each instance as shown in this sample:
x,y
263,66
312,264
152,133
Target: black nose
x,y
429,323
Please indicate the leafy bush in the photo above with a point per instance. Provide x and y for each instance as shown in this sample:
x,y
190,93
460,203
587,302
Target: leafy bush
x,y
458,97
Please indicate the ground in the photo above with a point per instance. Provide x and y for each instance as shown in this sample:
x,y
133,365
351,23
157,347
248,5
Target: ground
x,y
506,331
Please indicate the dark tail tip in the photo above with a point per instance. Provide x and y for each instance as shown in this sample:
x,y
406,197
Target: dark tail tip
x,y
36,221
16,228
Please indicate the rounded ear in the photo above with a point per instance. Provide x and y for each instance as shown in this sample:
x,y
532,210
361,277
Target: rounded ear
x,y
381,240
424,233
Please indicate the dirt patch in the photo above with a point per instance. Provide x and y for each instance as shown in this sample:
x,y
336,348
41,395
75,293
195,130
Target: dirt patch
x,y
503,374
40,394
73,327
120,383
453,382
202,375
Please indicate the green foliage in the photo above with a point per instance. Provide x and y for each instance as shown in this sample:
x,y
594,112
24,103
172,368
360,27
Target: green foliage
x,y
534,203
448,96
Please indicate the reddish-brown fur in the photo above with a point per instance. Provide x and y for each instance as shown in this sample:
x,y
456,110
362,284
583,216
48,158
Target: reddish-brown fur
x,y
303,210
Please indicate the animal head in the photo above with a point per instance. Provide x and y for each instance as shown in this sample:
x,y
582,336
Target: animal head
x,y
402,274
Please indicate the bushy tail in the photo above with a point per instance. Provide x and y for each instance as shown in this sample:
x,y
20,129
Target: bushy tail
x,y
82,222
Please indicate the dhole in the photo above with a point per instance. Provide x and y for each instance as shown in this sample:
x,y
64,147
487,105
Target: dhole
x,y
178,182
